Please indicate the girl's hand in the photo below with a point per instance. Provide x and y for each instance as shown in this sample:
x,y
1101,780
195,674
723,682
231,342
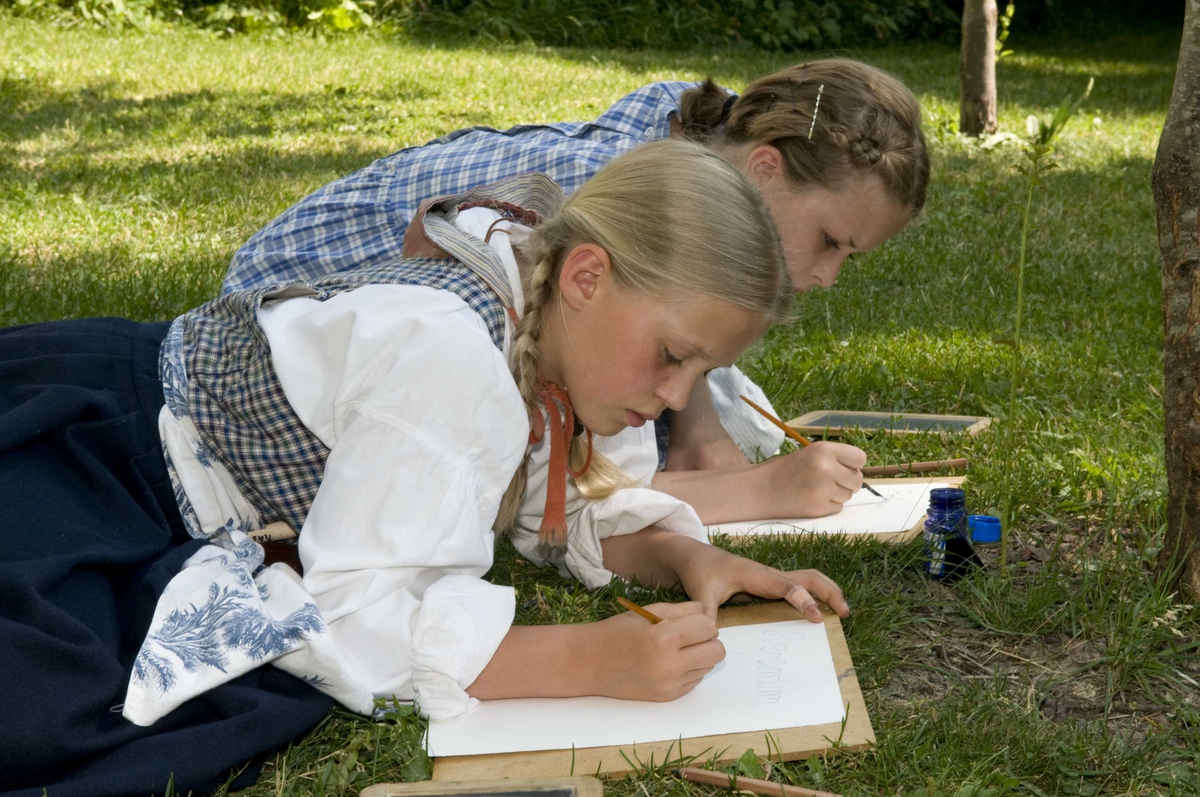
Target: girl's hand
x,y
812,482
634,659
713,576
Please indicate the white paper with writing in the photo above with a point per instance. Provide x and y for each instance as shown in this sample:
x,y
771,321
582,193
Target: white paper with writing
x,y
862,514
775,675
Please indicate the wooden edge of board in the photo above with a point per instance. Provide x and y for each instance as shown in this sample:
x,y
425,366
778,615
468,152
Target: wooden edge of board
x,y
787,744
805,424
898,537
582,786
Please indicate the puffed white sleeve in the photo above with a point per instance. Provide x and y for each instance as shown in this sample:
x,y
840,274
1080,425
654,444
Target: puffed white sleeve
x,y
757,437
626,511
425,428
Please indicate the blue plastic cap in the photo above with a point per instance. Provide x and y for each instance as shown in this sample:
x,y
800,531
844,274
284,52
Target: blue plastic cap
x,y
984,528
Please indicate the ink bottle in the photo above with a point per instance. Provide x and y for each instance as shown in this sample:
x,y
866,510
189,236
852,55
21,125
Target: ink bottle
x,y
948,551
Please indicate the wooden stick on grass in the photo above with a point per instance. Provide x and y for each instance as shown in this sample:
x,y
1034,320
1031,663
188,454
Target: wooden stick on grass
x,y
764,787
913,467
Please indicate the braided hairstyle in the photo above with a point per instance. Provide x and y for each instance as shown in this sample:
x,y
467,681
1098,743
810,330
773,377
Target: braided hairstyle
x,y
677,221
868,122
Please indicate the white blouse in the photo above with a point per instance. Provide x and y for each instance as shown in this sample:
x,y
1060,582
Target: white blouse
x,y
425,427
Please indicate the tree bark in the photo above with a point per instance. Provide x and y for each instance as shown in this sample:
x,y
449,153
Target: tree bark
x,y
1176,181
977,68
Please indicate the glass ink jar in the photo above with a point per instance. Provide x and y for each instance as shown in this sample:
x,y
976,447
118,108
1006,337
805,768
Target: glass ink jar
x,y
948,551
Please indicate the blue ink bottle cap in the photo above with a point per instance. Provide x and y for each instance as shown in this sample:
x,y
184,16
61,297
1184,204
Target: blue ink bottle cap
x,y
984,528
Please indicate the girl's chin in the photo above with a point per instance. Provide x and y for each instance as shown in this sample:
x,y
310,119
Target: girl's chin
x,y
605,427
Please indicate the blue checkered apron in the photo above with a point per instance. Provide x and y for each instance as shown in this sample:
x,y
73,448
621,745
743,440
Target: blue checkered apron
x,y
234,396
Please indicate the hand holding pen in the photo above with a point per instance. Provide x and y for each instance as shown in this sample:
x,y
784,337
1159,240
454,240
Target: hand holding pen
x,y
805,442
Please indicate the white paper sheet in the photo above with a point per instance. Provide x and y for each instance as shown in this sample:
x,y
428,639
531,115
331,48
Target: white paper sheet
x,y
862,514
775,675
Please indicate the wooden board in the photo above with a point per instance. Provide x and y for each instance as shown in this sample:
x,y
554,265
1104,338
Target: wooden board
x,y
891,536
835,423
518,787
788,743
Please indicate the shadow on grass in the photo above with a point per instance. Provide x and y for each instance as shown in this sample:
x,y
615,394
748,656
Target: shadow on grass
x,y
113,281
1134,75
235,177
1134,71
36,107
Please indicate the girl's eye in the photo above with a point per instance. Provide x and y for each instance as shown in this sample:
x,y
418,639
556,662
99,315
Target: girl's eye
x,y
671,359
830,241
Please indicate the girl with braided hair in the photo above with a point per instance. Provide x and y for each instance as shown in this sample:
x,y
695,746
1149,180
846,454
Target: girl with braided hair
x,y
834,145
395,417
837,150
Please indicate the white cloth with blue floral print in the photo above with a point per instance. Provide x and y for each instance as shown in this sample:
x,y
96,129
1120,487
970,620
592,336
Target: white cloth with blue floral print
x,y
223,615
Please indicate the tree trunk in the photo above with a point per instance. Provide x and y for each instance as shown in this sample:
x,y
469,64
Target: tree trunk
x,y
977,68
1176,181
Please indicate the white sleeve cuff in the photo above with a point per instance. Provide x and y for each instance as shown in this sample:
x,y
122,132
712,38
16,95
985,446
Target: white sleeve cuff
x,y
757,437
626,511
462,622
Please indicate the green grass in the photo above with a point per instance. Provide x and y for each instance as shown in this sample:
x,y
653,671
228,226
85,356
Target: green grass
x,y
132,166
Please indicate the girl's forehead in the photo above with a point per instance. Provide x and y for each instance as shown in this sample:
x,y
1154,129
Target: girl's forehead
x,y
709,327
862,211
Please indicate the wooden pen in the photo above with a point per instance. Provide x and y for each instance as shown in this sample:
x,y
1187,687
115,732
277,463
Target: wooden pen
x,y
638,610
792,433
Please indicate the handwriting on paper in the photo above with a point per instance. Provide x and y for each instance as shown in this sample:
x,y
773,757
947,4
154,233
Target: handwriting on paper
x,y
769,680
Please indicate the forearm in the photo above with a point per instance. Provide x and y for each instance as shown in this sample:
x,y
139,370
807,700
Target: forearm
x,y
718,496
651,556
538,661
698,440
811,482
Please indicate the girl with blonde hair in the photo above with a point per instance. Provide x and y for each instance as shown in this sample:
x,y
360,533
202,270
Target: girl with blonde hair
x,y
393,417
834,145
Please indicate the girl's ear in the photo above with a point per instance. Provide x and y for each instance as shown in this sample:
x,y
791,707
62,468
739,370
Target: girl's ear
x,y
585,268
764,165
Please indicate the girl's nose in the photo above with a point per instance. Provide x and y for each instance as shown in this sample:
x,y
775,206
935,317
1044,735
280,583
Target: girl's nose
x,y
826,272
675,391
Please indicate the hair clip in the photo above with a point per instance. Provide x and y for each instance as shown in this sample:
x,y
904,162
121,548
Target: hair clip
x,y
770,102
816,107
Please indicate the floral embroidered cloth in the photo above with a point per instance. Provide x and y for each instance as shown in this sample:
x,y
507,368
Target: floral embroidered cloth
x,y
223,615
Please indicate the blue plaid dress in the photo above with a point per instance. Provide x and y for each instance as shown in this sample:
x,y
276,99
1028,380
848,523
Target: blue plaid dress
x,y
359,221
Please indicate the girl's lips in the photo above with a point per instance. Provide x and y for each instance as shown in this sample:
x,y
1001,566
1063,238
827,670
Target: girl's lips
x,y
634,419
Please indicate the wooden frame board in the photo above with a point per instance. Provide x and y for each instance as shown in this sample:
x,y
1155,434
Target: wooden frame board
x,y
576,786
788,744
890,536
835,423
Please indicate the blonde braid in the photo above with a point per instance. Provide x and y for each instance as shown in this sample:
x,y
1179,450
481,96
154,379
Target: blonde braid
x,y
603,477
525,353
